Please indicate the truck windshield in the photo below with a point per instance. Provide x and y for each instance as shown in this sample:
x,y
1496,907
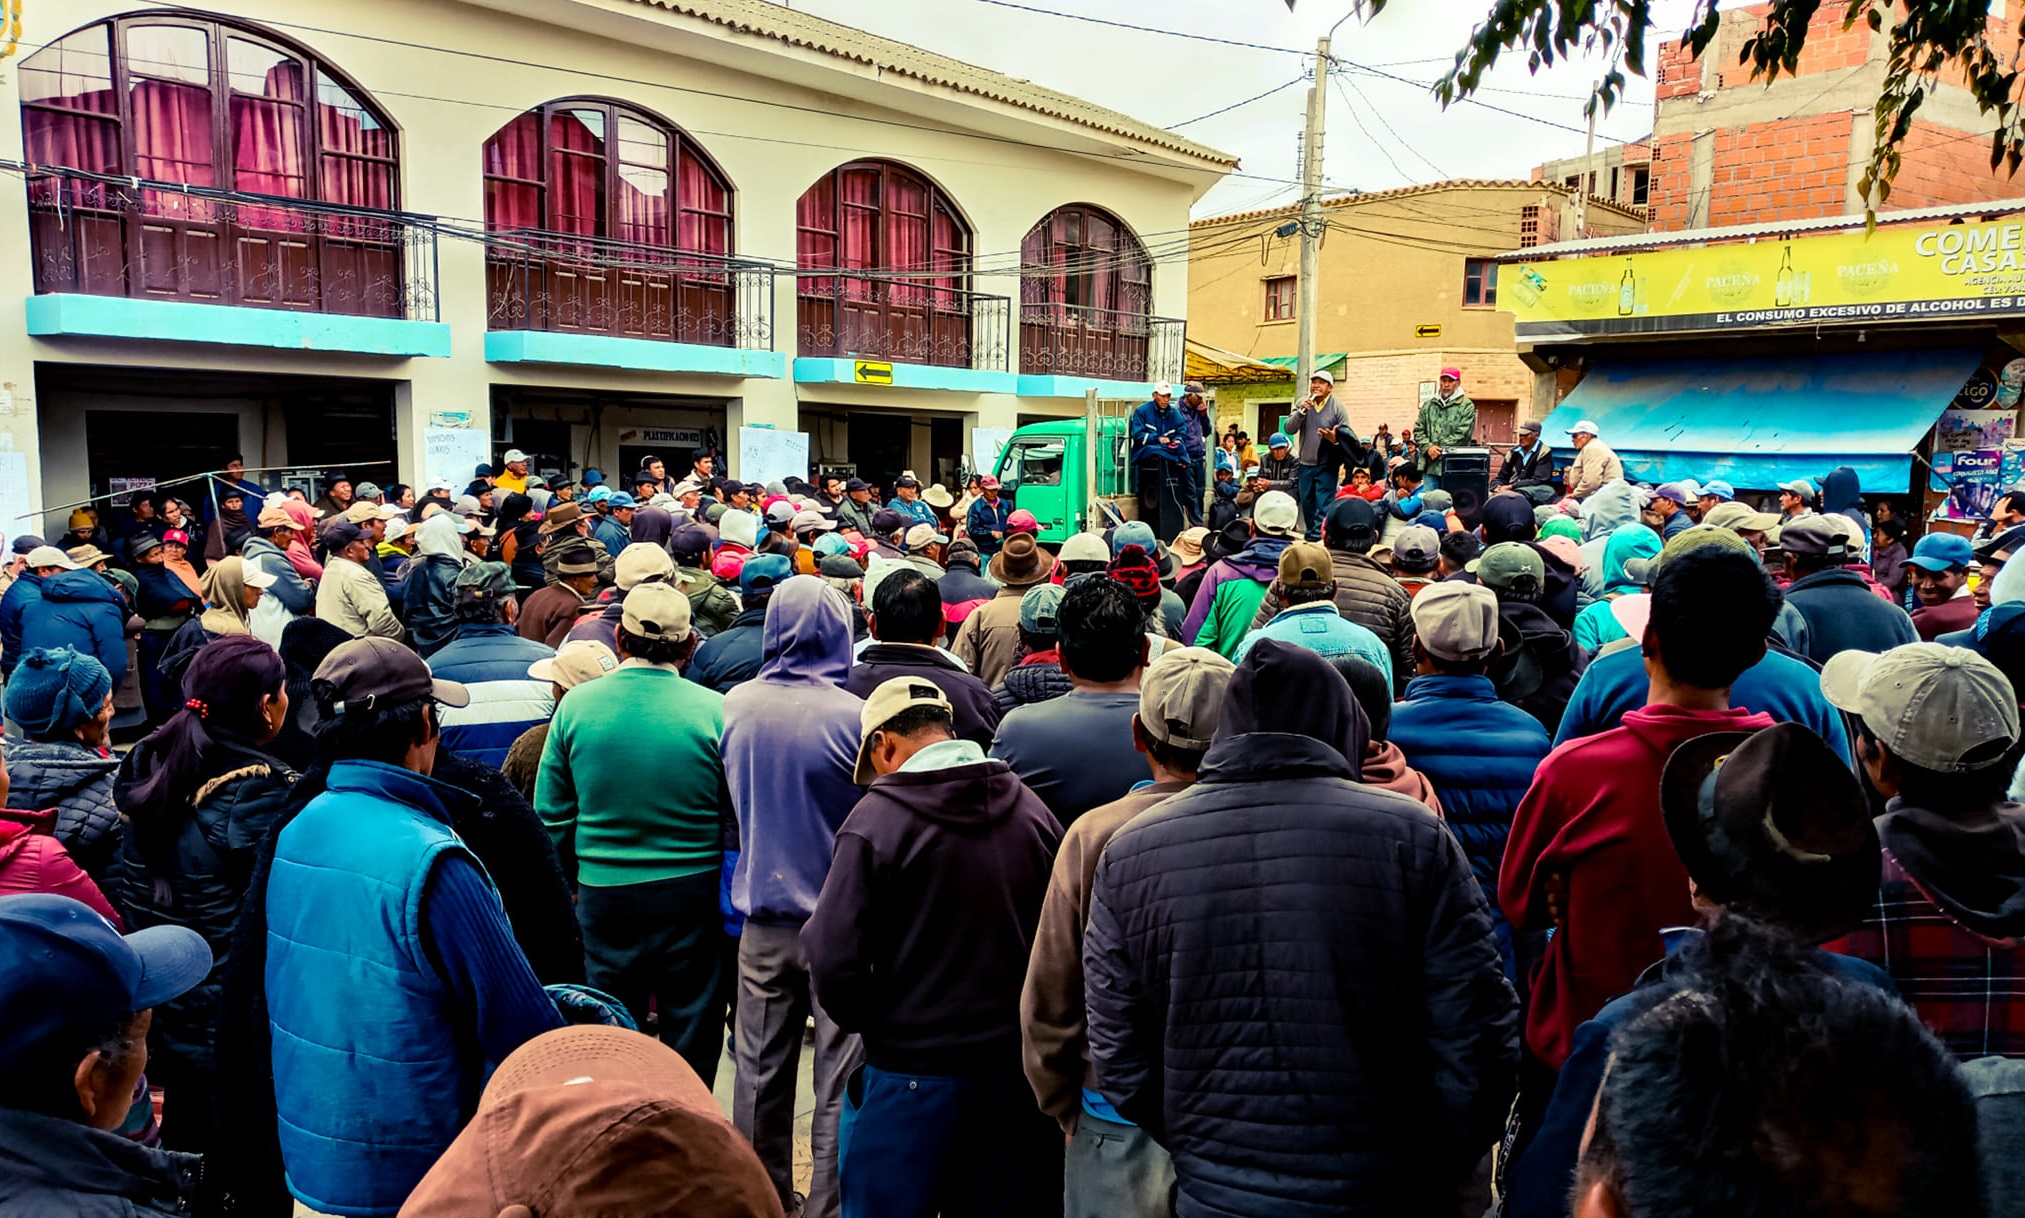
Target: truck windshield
x,y
1035,465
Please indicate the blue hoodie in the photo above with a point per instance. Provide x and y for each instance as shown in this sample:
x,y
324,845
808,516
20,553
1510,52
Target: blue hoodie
x,y
84,611
790,747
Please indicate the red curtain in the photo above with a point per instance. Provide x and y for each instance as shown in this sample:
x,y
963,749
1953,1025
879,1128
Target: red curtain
x,y
705,224
350,134
268,155
514,151
577,172
858,238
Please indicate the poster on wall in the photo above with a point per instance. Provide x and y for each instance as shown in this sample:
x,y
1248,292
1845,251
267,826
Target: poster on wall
x,y
1972,480
449,455
14,506
1974,430
767,455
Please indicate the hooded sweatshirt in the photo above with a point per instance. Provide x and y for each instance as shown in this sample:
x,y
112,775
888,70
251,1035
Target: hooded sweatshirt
x,y
1611,508
1592,815
1596,625
84,611
1229,596
790,745
921,938
429,602
299,554
652,525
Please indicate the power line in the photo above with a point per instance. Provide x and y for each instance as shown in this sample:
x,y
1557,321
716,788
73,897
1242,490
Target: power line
x,y
1346,83
1371,139
1147,29
1234,105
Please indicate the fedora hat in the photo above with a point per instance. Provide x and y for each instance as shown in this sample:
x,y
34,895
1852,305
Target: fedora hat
x,y
1022,563
1773,823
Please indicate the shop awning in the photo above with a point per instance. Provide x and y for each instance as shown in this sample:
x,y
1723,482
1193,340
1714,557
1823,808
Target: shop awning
x,y
1762,421
1216,366
1332,363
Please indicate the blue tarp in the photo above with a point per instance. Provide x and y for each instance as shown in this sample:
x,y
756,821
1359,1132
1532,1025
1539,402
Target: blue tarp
x,y
1759,422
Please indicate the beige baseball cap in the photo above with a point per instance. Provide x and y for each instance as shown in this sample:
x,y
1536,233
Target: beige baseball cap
x,y
1739,517
1456,621
1941,708
1306,565
1181,697
656,611
364,510
886,703
575,663
642,562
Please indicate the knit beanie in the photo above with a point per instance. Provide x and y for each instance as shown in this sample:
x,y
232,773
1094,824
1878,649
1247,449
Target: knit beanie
x,y
1134,568
55,690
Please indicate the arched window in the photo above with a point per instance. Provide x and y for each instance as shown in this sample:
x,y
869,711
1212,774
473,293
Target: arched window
x,y
905,248
1086,296
184,99
612,221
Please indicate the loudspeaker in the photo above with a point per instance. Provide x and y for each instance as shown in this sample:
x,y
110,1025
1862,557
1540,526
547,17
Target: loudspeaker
x,y
1466,476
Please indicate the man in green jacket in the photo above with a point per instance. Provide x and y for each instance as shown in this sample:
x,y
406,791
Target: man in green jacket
x,y
1447,420
632,789
1231,590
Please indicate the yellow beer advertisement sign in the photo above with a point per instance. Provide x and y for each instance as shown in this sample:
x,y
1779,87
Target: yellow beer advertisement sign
x,y
1913,273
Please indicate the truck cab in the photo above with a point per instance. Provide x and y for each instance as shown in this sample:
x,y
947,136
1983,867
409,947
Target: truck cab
x,y
1068,482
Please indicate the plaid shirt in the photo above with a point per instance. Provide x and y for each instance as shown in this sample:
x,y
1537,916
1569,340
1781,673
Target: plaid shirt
x,y
1968,989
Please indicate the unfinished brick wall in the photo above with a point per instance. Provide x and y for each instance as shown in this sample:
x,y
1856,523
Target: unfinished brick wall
x,y
1672,181
1786,170
1943,165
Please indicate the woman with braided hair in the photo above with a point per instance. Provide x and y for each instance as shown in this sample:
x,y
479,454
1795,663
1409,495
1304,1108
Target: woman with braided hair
x,y
197,796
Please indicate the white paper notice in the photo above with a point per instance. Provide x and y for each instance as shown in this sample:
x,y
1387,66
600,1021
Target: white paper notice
x,y
765,455
14,499
450,454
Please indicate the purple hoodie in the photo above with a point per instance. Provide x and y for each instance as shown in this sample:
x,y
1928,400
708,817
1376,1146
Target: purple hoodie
x,y
790,745
1258,561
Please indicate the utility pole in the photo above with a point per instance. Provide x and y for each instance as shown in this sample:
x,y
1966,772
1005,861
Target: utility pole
x,y
1311,218
1582,185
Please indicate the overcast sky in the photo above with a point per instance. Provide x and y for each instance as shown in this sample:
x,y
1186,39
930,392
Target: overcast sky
x,y
1405,136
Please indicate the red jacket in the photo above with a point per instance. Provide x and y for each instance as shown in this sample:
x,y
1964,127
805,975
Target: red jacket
x,y
31,860
1592,813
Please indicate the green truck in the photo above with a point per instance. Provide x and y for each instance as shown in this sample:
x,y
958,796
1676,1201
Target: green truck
x,y
1070,483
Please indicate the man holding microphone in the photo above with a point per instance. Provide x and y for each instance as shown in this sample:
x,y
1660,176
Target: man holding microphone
x,y
1314,423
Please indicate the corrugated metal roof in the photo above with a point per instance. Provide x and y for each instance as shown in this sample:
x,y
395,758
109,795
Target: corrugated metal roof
x,y
795,28
1348,199
1634,242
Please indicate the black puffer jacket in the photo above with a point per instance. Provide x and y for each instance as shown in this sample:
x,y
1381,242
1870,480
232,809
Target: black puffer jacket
x,y
78,783
201,881
1293,984
1366,594
429,602
730,658
1541,663
1025,683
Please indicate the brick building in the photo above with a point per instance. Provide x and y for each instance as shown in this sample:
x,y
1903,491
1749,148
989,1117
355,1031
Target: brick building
x,y
1730,150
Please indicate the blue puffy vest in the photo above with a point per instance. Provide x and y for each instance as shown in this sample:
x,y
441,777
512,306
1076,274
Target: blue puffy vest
x,y
373,1072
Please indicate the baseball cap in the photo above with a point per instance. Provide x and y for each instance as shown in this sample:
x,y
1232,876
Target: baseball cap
x,y
620,500
1039,607
907,480
1531,427
1941,708
839,566
1162,387
1799,486
1680,492
1019,520
370,671
1275,514
810,519
512,455
1322,374
856,484
1739,517
600,494
762,571
467,505
1193,387
253,575
1416,543
780,514
738,528
1181,696
1133,533
1816,537
1719,489
1305,564
1349,519
1585,428
1453,373
593,1119
50,556
1084,547
1456,621
987,483
27,543
575,663
884,705
657,611
362,511
925,535
1510,566
1251,471
275,518
484,581
341,532
1935,552
63,967
594,477
1278,440
368,490
1773,822
1437,501
642,562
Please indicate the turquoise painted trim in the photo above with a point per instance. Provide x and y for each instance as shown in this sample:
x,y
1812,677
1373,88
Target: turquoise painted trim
x,y
908,376
605,351
179,321
1077,386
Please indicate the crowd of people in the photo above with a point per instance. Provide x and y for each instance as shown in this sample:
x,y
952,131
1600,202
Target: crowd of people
x,y
1621,851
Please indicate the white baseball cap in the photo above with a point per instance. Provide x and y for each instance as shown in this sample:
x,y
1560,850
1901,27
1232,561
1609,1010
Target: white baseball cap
x,y
49,556
1275,514
1322,374
1161,388
1585,428
512,455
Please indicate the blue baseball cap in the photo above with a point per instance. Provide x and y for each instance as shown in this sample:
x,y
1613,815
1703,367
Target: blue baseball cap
x,y
64,967
620,499
597,494
1719,489
1133,533
1939,551
594,477
1278,440
762,571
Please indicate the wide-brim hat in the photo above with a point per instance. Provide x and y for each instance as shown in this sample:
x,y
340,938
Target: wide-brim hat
x,y
1774,822
1022,563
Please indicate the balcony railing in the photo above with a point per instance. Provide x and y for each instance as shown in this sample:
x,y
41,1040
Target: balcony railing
x,y
1107,344
165,241
913,321
582,285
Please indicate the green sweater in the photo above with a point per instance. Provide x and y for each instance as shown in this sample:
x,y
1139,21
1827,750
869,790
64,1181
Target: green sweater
x,y
1230,615
631,784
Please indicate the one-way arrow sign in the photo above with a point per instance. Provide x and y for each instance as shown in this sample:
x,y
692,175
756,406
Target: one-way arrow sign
x,y
869,372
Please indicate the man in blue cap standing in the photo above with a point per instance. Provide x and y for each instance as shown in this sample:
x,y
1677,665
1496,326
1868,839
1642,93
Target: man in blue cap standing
x,y
1159,452
1939,567
76,1000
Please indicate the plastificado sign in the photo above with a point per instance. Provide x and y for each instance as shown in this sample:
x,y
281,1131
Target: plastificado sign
x,y
1910,274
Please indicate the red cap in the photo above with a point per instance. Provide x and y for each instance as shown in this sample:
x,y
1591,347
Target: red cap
x,y
987,483
1454,374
